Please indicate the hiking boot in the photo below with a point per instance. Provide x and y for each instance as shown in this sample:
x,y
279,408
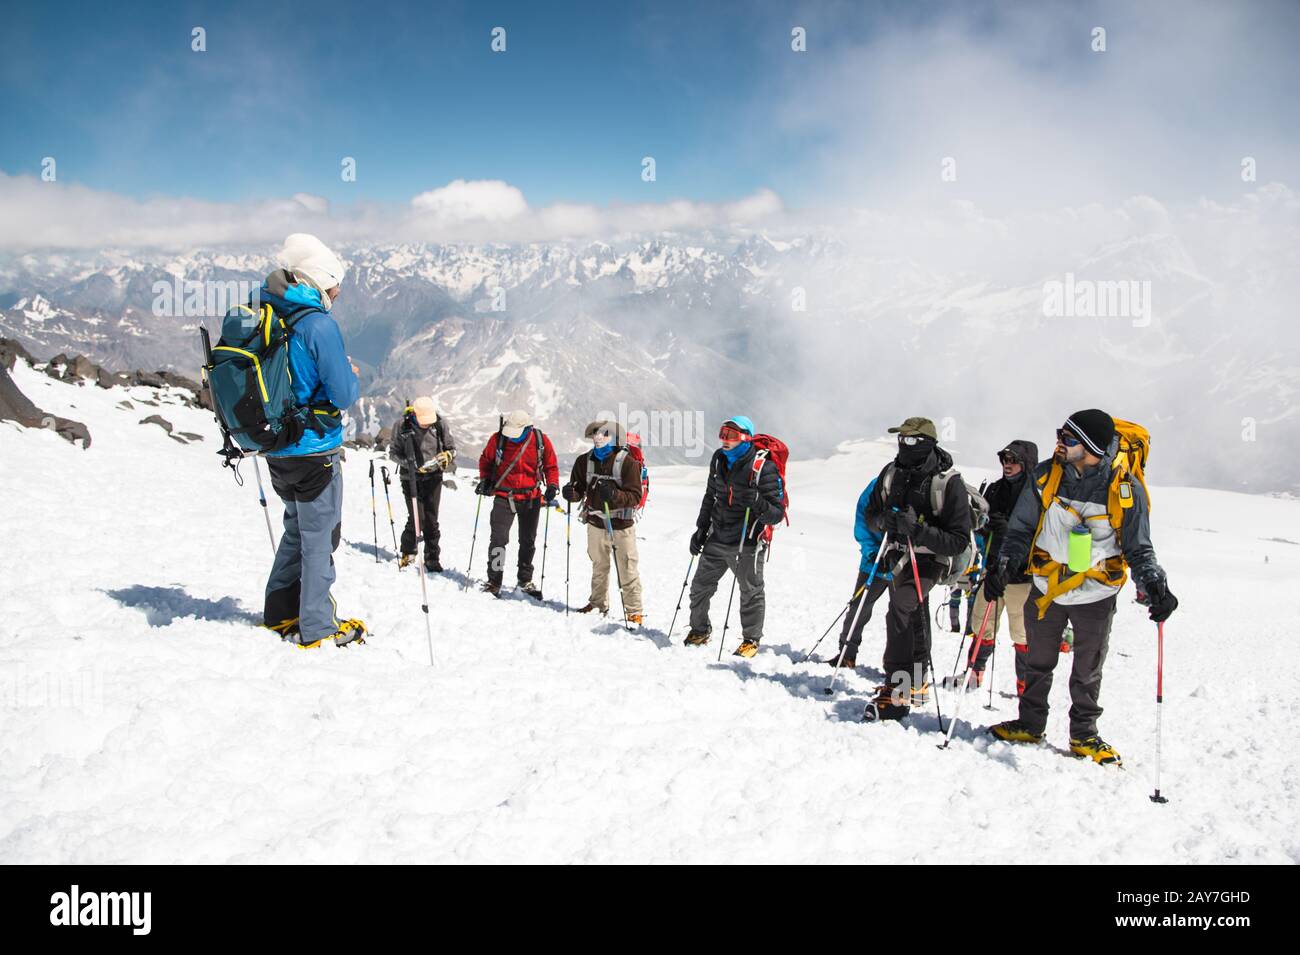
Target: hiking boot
x,y
1014,731
349,631
1096,749
590,607
531,589
956,682
920,694
697,639
884,707
406,560
491,588
434,567
634,620
747,649
848,663
285,628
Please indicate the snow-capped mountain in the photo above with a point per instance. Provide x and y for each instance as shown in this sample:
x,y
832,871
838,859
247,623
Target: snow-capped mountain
x,y
813,340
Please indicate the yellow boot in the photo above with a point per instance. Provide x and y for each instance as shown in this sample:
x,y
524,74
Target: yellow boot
x,y
1096,749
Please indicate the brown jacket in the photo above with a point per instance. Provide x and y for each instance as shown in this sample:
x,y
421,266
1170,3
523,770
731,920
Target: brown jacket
x,y
627,492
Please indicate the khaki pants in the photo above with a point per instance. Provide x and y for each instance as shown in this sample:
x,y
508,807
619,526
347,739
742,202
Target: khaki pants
x,y
599,552
1013,601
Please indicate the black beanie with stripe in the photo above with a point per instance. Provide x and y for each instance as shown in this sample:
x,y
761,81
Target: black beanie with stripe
x,y
1094,428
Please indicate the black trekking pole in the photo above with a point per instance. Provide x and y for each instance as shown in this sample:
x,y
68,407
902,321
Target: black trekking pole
x,y
970,667
478,508
726,621
261,496
546,536
383,471
1160,699
374,516
568,510
680,595
920,600
618,574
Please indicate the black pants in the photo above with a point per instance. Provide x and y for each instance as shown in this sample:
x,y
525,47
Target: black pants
x,y
503,515
874,592
428,495
907,632
1091,623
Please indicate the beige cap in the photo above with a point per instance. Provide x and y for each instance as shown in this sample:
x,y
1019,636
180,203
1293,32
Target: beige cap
x,y
515,423
426,410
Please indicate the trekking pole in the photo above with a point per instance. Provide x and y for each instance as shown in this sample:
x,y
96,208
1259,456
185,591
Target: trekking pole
x,y
680,595
546,534
965,683
478,508
261,496
993,657
568,510
920,599
862,599
419,538
374,517
383,470
618,574
809,652
726,621
1160,697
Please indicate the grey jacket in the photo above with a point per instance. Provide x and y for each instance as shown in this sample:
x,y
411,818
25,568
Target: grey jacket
x,y
1086,493
430,442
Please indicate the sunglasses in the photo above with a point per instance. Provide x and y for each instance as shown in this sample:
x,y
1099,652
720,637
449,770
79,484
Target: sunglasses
x,y
728,433
1006,457
1066,439
912,440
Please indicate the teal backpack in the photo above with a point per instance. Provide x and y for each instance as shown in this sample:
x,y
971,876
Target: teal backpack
x,y
248,377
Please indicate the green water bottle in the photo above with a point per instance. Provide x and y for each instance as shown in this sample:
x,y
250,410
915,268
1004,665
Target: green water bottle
x,y
1080,549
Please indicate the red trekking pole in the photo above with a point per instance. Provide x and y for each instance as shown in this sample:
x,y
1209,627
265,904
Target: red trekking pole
x,y
1160,697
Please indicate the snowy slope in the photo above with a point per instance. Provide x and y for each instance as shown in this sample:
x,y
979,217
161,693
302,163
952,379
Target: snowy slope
x,y
147,720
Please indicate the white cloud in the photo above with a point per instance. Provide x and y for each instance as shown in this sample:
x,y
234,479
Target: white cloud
x,y
41,215
462,201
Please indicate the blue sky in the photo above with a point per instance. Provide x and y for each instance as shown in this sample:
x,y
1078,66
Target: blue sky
x,y
583,91
710,89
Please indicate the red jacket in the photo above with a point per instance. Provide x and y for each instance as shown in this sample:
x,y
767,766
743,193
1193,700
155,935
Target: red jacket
x,y
523,480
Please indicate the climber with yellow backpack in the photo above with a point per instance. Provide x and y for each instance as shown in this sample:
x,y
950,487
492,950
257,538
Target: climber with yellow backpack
x,y
1082,526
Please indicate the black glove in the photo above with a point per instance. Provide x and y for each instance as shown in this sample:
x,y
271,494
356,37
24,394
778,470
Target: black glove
x,y
484,488
697,541
995,582
997,524
551,491
1161,602
571,493
901,523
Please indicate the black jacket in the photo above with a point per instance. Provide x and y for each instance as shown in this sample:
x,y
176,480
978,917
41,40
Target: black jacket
x,y
946,533
1002,495
724,518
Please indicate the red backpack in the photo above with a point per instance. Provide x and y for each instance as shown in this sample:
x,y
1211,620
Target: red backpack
x,y
774,450
634,448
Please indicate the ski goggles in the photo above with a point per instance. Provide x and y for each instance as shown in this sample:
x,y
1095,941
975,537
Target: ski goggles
x,y
1066,439
728,433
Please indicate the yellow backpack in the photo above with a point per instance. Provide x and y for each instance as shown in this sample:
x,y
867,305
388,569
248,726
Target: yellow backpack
x,y
1129,465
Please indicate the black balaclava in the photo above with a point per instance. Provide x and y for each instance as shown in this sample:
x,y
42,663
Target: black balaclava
x,y
914,455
